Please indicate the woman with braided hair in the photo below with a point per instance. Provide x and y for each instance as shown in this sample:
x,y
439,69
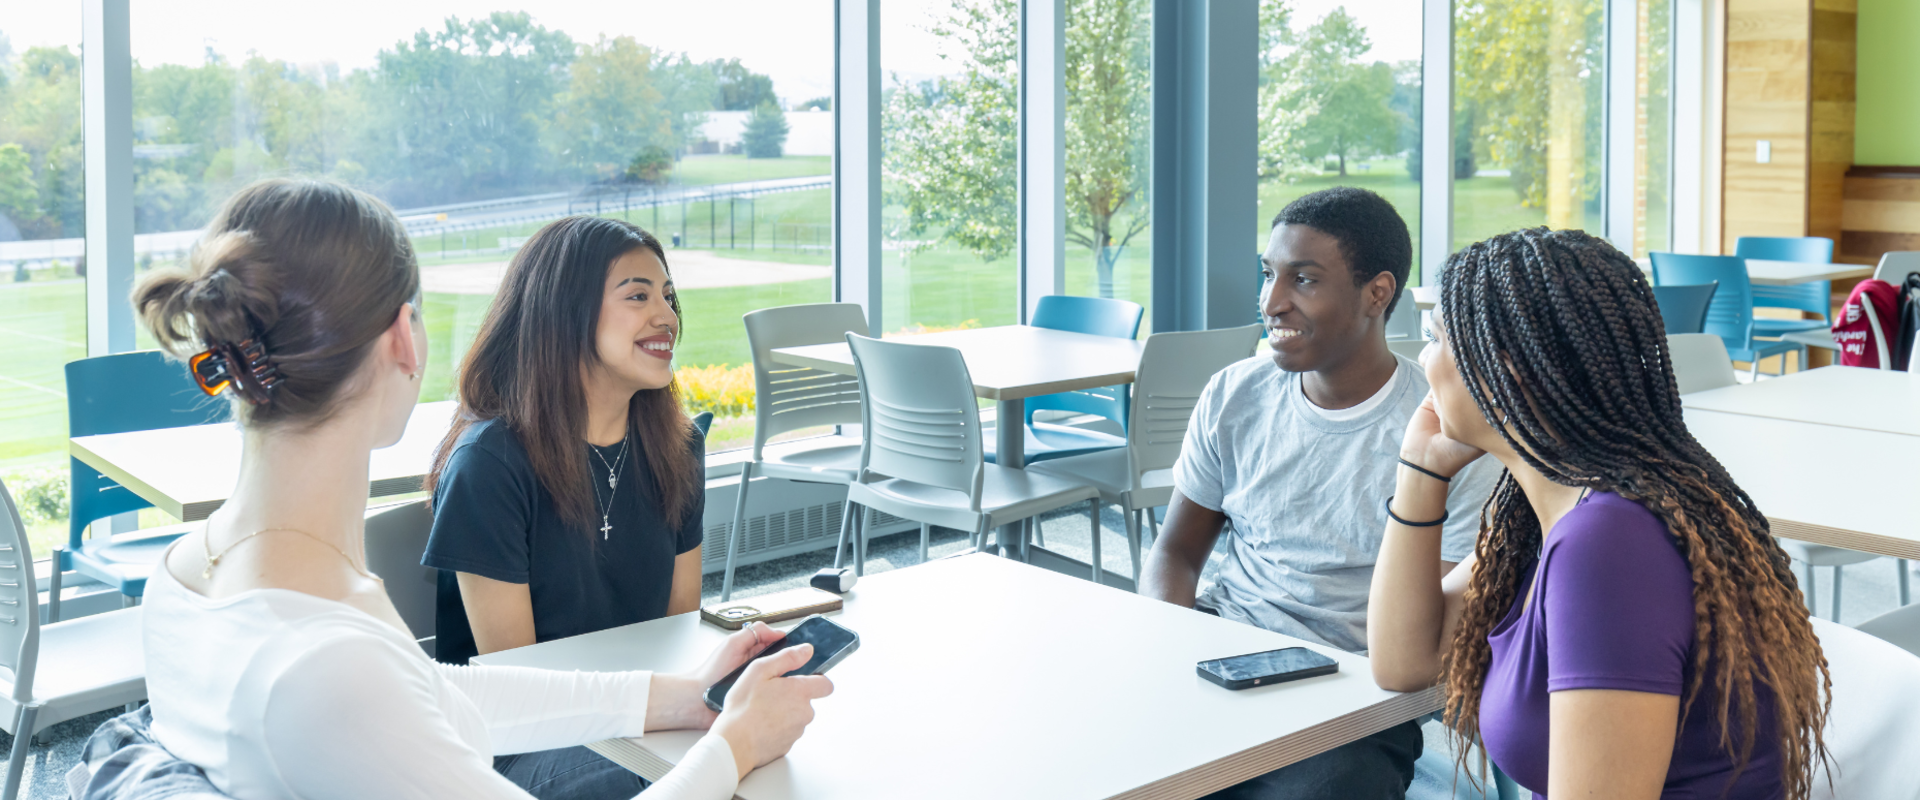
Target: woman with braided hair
x,y
1627,626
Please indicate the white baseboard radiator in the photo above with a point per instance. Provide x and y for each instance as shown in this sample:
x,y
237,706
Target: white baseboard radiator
x,y
783,518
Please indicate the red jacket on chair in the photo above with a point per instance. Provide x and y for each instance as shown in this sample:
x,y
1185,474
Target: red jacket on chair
x,y
1868,327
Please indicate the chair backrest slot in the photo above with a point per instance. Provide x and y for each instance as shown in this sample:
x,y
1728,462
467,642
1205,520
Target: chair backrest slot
x,y
19,644
922,423
834,397
1174,369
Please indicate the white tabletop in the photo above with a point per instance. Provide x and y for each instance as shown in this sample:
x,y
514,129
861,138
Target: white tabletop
x,y
188,471
1787,273
1010,362
1838,486
1080,691
1849,397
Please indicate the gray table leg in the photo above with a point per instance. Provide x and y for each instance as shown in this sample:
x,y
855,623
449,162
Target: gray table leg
x,y
1010,430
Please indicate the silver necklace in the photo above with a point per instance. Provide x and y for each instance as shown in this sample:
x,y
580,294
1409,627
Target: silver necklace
x,y
613,482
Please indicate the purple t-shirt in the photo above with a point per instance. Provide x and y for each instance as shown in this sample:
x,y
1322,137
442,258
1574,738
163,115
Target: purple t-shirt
x,y
1613,609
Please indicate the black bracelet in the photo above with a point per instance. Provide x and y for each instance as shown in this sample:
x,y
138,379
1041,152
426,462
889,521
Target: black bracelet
x,y
1427,472
1396,518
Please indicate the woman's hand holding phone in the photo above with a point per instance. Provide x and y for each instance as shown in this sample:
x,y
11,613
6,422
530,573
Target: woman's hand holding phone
x,y
676,700
766,713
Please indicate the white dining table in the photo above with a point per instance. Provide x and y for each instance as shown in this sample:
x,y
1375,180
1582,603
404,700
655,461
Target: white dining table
x,y
1847,397
1008,364
189,471
1079,691
1837,485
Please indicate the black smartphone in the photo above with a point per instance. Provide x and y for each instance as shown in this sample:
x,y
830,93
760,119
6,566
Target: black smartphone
x,y
831,642
1272,666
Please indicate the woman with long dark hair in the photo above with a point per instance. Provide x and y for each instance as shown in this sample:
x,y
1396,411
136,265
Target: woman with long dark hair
x,y
567,497
1627,627
275,660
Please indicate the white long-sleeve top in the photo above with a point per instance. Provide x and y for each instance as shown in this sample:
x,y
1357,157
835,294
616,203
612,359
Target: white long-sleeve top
x,y
280,694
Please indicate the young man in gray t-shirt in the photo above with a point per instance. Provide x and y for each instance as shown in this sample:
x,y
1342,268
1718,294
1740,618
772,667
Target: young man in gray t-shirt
x,y
1297,448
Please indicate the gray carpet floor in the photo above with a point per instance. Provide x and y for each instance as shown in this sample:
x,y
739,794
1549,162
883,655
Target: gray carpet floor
x,y
1867,591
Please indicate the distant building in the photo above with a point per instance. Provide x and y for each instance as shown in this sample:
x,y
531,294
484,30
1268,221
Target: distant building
x,y
810,133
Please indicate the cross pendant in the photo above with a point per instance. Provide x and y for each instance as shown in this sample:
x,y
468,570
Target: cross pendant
x,y
613,482
605,527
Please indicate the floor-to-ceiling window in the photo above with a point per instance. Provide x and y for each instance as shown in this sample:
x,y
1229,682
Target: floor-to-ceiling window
x,y
1340,103
1528,104
481,123
1653,128
950,151
43,293
1109,142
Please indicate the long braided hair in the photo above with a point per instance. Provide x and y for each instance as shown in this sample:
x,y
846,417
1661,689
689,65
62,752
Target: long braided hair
x,y
1559,341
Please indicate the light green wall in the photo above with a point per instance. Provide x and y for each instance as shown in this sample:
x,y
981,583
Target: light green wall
x,y
1886,123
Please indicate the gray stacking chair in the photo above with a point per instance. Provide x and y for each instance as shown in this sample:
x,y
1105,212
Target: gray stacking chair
x,y
1174,368
1700,362
59,671
396,538
920,454
791,398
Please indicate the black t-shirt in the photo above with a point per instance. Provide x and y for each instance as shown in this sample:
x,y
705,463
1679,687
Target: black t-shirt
x,y
493,518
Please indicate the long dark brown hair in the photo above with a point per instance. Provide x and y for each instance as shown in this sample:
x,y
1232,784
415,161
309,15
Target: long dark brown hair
x,y
1559,332
526,364
312,270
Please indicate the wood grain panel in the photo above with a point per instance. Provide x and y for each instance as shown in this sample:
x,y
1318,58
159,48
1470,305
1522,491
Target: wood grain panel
x,y
1769,68
1834,31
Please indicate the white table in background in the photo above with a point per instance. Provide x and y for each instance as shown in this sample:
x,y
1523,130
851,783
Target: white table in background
x,y
187,472
1763,272
1079,691
1847,397
1839,486
1008,364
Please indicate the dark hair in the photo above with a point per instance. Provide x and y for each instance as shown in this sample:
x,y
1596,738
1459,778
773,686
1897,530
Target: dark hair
x,y
1559,342
524,369
1371,234
312,270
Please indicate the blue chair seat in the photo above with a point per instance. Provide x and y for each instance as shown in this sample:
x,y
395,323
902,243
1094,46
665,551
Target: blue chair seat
x,y
1046,441
1763,326
125,561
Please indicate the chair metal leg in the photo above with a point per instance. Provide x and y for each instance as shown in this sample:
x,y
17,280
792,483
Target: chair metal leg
x,y
926,537
980,534
1806,588
1094,506
1901,564
1753,370
1153,529
733,530
846,523
1029,528
1133,539
1835,611
860,535
1038,537
53,591
22,742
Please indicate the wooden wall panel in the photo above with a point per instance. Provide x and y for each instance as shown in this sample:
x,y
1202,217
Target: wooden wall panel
x,y
1769,70
1882,213
1834,26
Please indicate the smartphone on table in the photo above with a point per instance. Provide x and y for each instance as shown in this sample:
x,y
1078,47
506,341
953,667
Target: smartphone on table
x,y
1272,666
832,642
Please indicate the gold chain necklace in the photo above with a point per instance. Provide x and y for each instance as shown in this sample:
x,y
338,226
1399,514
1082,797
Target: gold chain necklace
x,y
213,559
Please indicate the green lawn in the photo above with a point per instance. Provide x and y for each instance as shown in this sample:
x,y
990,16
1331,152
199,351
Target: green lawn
x,y
704,170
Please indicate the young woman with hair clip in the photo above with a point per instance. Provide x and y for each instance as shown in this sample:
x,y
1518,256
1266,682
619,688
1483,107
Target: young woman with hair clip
x,y
568,496
1627,626
275,661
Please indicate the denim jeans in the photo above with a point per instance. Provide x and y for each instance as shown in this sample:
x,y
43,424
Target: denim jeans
x,y
571,773
1378,767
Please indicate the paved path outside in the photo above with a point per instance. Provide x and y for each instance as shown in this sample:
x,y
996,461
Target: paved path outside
x,y
692,269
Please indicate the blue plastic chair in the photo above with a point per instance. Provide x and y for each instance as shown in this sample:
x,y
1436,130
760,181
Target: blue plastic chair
x,y
1730,314
139,391
1815,296
1100,317
1684,308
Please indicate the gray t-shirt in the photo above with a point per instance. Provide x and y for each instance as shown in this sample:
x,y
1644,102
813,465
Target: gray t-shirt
x,y
1305,498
